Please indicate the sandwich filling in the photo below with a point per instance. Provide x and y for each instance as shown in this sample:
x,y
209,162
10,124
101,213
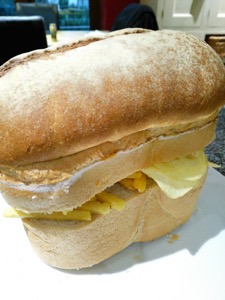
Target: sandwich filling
x,y
175,178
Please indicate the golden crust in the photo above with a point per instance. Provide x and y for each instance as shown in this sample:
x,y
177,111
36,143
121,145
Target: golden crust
x,y
68,99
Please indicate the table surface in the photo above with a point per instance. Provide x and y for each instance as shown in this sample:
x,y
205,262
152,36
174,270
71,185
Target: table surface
x,y
64,36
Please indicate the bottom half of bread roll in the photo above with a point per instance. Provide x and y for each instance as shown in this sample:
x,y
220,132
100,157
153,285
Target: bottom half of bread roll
x,y
145,217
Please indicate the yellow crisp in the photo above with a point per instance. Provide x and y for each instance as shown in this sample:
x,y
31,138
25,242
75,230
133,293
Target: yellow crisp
x,y
211,164
179,176
97,207
76,215
140,184
136,175
136,181
127,183
114,201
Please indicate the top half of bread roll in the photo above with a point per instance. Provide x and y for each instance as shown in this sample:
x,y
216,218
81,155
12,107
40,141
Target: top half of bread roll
x,y
67,99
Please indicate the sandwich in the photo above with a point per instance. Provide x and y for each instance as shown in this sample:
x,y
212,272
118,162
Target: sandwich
x,y
103,140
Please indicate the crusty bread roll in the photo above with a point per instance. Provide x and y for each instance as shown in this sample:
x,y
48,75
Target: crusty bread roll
x,y
78,118
68,99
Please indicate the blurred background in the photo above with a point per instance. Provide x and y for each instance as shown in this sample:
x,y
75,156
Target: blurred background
x,y
71,14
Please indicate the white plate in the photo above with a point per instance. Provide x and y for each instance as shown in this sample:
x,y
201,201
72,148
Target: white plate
x,y
192,267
